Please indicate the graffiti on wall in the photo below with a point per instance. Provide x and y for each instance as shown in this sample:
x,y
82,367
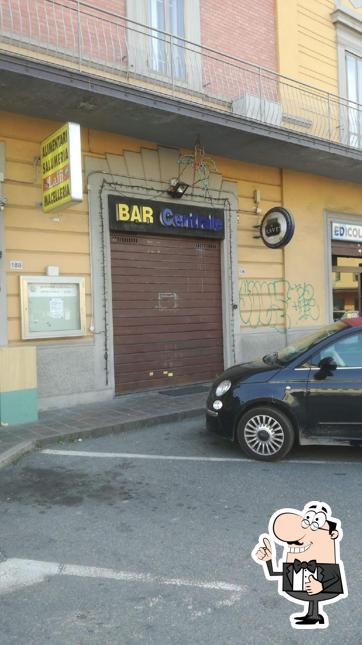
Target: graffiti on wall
x,y
276,303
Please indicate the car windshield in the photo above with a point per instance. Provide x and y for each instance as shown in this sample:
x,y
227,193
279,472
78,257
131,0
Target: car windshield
x,y
301,345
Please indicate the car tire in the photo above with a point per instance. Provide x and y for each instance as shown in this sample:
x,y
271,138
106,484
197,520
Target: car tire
x,y
265,433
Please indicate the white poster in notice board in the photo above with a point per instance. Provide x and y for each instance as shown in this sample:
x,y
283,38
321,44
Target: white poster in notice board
x,y
52,307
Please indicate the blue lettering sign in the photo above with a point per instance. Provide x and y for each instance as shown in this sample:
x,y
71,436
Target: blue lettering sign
x,y
187,221
191,221
166,217
206,222
194,220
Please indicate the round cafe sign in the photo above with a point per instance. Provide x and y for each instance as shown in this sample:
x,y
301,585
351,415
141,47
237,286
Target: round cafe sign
x,y
277,227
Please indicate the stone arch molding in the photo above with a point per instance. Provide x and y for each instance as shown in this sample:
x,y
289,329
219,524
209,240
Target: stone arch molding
x,y
147,174
154,165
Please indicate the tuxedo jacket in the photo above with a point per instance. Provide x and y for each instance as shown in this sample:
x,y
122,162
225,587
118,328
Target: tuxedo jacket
x,y
328,574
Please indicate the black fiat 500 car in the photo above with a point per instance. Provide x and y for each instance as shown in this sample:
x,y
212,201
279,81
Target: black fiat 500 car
x,y
309,392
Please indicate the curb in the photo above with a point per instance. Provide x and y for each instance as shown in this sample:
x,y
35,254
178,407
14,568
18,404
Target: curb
x,y
116,428
22,448
17,451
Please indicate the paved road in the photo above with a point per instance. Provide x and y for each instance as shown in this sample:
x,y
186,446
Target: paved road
x,y
121,550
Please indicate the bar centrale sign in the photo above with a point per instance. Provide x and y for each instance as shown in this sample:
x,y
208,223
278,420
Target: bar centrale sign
x,y
161,218
346,232
61,167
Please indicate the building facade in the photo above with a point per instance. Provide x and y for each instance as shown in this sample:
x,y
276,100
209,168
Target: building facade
x,y
251,109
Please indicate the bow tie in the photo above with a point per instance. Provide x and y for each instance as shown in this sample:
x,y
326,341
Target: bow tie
x,y
311,565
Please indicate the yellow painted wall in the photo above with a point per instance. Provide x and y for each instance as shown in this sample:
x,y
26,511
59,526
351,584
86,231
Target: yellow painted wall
x,y
307,52
262,268
36,238
277,287
309,197
307,42
31,235
17,368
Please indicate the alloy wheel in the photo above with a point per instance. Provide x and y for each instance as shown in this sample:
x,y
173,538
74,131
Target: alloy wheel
x,y
264,435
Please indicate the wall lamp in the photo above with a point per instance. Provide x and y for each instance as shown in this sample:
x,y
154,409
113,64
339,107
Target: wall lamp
x,y
177,188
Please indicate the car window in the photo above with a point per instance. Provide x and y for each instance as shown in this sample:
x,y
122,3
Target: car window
x,y
301,345
346,352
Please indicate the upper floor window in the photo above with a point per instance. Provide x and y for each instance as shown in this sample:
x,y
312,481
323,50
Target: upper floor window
x,y
160,37
167,51
354,93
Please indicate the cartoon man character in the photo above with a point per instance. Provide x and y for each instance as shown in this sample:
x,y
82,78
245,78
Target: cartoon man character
x,y
311,572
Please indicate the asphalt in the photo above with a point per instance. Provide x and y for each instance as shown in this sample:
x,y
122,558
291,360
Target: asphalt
x,y
95,420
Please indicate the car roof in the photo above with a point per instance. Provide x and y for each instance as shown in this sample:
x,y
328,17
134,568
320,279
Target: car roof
x,y
353,322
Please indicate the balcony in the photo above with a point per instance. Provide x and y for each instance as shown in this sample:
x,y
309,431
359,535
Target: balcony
x,y
182,89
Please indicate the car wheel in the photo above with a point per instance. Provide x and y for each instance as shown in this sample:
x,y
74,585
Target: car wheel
x,y
266,434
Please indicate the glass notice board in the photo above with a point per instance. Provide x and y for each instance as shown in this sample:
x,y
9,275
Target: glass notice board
x,y
52,307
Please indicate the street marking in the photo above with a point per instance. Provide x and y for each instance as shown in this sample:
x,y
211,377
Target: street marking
x,y
131,455
16,573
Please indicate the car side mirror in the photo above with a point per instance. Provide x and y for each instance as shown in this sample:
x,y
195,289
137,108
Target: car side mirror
x,y
327,363
327,366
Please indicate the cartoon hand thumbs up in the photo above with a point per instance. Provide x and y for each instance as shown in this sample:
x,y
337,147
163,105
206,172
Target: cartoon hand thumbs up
x,y
264,553
313,586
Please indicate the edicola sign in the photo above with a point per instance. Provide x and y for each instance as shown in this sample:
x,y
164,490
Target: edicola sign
x,y
61,166
346,232
160,218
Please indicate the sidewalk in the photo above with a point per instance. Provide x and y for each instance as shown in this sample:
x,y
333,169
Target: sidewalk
x,y
123,413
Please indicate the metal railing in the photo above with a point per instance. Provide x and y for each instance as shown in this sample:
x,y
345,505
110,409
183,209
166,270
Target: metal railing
x,y
79,35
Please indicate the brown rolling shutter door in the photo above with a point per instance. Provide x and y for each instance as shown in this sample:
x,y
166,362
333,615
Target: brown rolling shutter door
x,y
167,322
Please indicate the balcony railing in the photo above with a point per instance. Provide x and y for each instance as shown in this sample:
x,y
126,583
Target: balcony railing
x,y
78,35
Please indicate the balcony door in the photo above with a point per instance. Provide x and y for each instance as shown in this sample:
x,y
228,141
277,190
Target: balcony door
x,y
354,90
166,45
163,43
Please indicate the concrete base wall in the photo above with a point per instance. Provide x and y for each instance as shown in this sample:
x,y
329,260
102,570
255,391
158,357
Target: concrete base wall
x,y
77,379
254,343
67,375
78,398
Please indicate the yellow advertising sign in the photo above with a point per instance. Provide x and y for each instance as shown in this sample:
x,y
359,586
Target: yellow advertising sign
x,y
61,168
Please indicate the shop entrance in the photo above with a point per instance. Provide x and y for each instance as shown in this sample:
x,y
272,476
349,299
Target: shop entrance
x,y
346,280
167,320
